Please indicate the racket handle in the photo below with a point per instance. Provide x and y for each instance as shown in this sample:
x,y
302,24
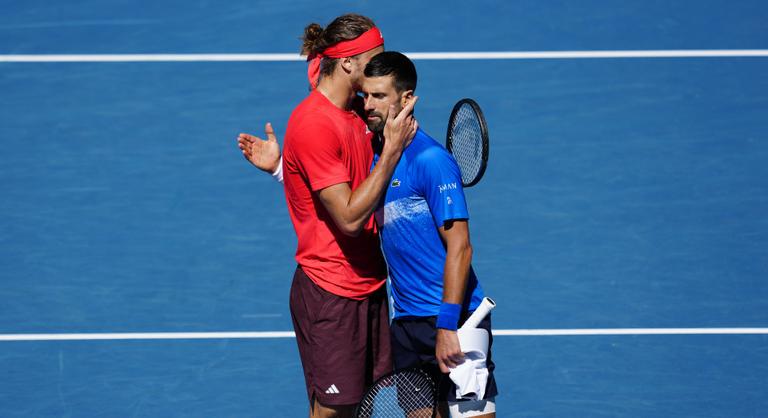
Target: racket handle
x,y
480,313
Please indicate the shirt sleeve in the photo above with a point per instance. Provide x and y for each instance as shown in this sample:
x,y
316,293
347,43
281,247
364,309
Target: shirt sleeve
x,y
440,180
318,156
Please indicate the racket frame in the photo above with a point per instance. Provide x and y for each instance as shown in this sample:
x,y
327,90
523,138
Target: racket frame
x,y
483,134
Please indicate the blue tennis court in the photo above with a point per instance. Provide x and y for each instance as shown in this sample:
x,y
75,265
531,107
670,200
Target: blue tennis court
x,y
621,193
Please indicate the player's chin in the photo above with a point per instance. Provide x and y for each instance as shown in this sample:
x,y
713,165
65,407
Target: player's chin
x,y
375,124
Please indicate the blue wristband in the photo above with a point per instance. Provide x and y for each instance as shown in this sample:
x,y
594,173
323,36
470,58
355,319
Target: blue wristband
x,y
448,318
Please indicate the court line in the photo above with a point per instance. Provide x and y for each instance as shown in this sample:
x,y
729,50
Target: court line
x,y
147,336
501,55
630,331
290,334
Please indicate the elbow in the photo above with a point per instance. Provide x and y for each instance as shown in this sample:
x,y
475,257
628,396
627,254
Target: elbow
x,y
460,252
346,224
468,252
464,252
350,229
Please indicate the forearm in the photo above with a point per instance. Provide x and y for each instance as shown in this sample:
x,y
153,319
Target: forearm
x,y
458,258
447,348
457,262
353,210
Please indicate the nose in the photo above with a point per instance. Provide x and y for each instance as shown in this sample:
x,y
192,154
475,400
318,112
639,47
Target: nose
x,y
367,103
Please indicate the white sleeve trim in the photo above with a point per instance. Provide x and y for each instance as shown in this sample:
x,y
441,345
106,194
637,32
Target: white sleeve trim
x,y
278,173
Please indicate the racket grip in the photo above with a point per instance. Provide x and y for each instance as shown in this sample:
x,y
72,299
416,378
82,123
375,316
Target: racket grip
x,y
480,313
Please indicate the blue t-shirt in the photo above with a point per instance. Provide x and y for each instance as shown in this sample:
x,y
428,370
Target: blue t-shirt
x,y
425,191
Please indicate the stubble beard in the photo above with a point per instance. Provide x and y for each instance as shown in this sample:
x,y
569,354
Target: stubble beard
x,y
376,126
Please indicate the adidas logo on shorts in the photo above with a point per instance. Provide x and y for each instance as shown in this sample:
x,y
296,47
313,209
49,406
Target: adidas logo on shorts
x,y
332,390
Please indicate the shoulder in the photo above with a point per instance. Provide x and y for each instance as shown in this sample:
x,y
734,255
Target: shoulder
x,y
428,152
309,123
310,111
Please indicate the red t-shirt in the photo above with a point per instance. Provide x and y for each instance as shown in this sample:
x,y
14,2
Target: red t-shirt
x,y
325,145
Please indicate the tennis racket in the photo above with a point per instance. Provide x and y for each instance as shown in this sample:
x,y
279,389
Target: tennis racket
x,y
467,140
407,393
485,307
410,393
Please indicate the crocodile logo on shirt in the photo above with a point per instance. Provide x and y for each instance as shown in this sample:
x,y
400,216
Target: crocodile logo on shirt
x,y
395,183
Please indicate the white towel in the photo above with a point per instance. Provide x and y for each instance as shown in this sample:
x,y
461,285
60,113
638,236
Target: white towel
x,y
471,376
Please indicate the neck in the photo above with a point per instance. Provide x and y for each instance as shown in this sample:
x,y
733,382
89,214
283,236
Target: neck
x,y
379,141
408,142
338,90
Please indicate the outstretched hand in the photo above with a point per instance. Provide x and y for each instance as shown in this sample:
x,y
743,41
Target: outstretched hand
x,y
264,154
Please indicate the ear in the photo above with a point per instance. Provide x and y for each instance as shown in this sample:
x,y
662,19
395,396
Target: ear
x,y
406,97
346,64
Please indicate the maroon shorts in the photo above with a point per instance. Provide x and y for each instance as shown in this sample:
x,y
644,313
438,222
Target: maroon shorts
x,y
344,343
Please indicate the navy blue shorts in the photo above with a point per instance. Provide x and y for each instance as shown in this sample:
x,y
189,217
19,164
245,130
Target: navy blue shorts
x,y
413,345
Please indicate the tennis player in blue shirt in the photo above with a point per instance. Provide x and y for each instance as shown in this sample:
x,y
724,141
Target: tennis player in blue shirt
x,y
423,222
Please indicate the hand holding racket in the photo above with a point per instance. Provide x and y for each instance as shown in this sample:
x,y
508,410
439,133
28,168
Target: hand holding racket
x,y
467,140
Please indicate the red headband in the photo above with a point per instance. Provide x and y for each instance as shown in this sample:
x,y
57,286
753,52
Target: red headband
x,y
363,43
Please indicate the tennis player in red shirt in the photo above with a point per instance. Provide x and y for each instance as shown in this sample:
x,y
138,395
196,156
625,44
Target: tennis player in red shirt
x,y
338,296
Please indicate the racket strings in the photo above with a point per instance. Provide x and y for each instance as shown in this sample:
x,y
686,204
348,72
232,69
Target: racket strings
x,y
467,144
403,394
